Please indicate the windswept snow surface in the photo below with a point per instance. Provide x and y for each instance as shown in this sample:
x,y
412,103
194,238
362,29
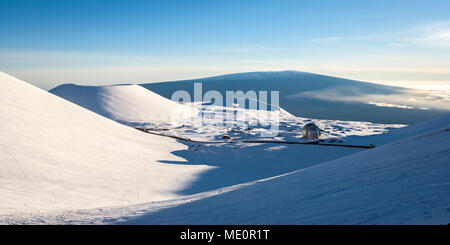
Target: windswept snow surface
x,y
55,155
63,164
132,105
58,157
404,182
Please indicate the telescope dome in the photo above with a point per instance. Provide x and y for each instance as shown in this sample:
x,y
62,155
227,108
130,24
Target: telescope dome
x,y
311,131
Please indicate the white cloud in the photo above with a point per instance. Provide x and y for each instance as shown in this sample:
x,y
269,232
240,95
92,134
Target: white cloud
x,y
431,34
382,104
434,34
407,99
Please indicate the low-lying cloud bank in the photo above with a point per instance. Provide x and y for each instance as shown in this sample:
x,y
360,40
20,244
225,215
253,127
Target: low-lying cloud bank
x,y
405,99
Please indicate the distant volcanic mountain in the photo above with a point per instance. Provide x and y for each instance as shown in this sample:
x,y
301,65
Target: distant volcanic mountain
x,y
324,97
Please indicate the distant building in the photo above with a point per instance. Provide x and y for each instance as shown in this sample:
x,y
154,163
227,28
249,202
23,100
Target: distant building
x,y
311,131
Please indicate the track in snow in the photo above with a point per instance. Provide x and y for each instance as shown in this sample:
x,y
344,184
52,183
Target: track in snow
x,y
319,142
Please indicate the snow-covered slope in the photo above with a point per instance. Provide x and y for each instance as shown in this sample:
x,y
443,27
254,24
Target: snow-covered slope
x,y
418,128
405,182
55,155
57,158
415,129
132,105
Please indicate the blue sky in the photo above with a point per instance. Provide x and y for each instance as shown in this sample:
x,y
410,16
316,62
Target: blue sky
x,y
104,42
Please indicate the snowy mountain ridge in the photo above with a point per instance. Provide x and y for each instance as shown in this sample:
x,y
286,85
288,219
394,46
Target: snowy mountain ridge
x,y
132,105
135,106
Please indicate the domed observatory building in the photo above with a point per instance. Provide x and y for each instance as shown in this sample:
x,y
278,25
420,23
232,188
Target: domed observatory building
x,y
311,131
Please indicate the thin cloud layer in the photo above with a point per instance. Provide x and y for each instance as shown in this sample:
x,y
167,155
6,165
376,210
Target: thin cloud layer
x,y
409,99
